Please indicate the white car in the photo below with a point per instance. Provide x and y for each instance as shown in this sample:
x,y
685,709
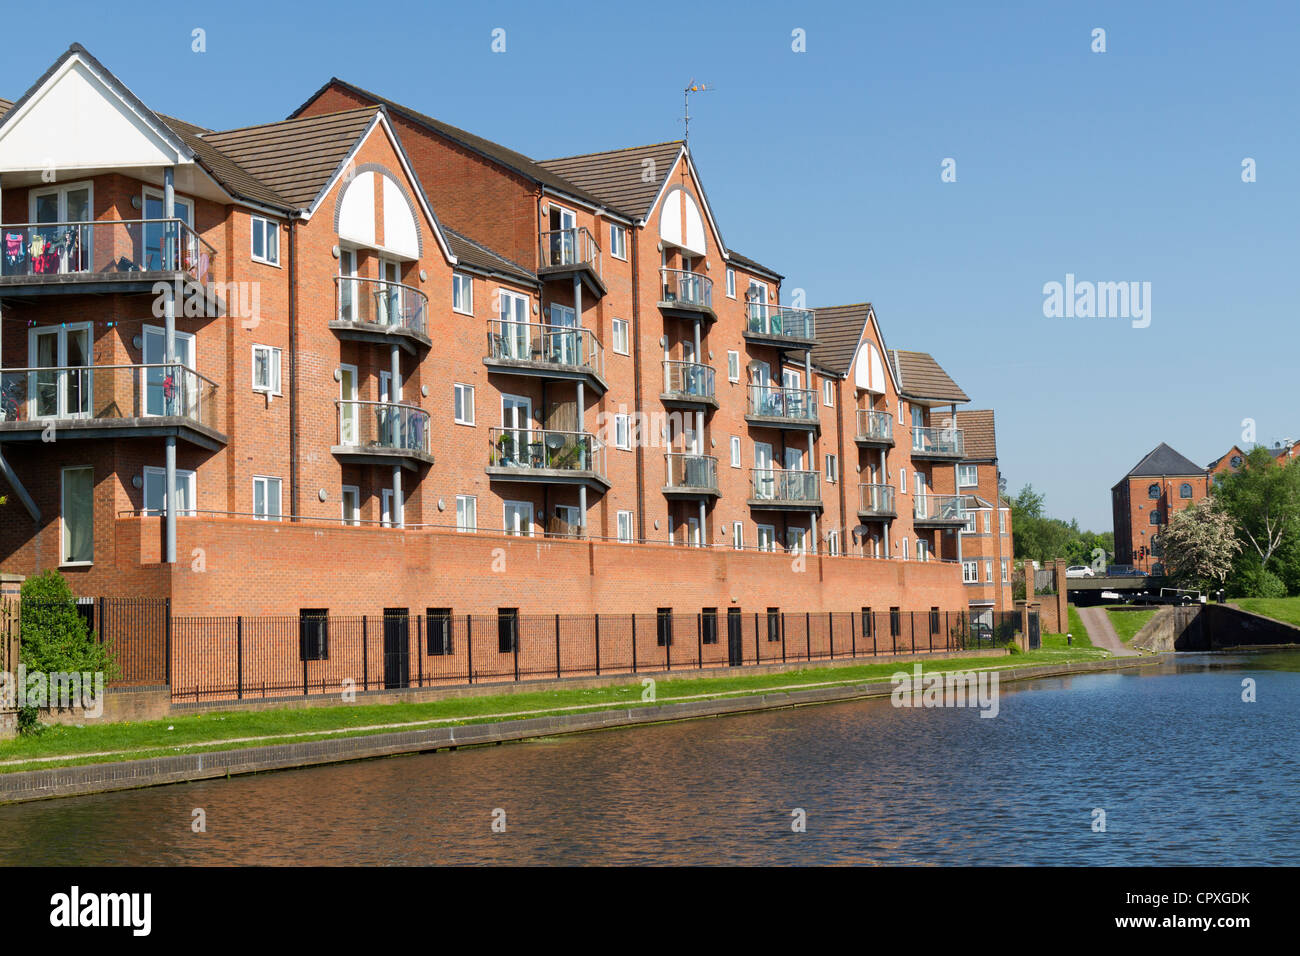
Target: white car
x,y
1080,571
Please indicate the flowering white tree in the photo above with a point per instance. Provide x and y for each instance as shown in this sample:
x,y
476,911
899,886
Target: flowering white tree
x,y
1200,543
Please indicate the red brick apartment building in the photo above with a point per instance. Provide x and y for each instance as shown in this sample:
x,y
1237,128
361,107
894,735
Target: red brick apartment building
x,y
1143,500
1235,457
252,370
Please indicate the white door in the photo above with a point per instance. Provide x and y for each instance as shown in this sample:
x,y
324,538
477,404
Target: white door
x,y
570,517
561,339
515,335
764,477
693,532
351,505
169,390
155,491
348,286
516,437
519,517
162,241
65,390
348,407
564,224
388,293
66,246
386,507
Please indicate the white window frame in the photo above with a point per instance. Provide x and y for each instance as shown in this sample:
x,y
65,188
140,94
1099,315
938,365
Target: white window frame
x,y
735,451
738,535
828,392
988,521
63,520
353,492
625,535
731,283
386,508
969,526
974,471
1006,573
832,469
922,549
906,554
768,531
1002,521
275,366
901,403
833,543
268,227
617,241
970,572
459,281
733,365
902,481
623,431
988,570
182,475
519,506
279,497
467,513
458,404
626,337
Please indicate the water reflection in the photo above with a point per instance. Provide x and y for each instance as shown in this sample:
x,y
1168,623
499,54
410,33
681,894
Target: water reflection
x,y
1186,772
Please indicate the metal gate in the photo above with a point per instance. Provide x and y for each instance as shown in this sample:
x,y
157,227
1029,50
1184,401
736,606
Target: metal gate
x,y
397,647
1035,639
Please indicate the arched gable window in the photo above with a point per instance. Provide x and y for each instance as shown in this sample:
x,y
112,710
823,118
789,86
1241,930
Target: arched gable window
x,y
1186,490
1153,490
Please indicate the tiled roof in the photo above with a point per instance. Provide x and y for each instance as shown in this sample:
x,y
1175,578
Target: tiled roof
x,y
617,176
495,151
295,158
839,330
476,254
751,265
920,376
1163,460
978,433
5,106
234,177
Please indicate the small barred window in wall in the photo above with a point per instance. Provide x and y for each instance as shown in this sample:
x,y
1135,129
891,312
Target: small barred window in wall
x,y
313,634
773,624
438,627
664,626
709,625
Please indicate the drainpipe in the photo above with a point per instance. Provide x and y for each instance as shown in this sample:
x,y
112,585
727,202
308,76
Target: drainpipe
x,y
839,450
636,376
169,356
293,370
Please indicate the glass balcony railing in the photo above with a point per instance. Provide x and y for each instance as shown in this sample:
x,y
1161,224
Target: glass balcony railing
x,y
72,251
688,380
946,442
938,508
784,484
771,401
779,321
376,302
106,392
691,472
539,448
687,288
875,426
383,425
569,247
875,499
545,345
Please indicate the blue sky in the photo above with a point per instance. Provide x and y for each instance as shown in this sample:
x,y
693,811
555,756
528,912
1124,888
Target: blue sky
x,y
825,165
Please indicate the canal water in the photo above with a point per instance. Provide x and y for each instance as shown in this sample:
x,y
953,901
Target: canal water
x,y
1185,771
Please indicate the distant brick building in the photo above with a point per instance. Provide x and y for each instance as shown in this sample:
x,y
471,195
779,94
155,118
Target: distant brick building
x,y
1142,502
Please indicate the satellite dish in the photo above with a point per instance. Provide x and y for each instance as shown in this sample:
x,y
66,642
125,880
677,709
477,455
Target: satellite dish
x,y
554,441
861,531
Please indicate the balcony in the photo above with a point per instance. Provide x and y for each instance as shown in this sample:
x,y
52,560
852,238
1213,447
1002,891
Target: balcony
x,y
688,384
875,429
938,511
780,326
687,295
547,456
109,401
384,313
557,352
383,433
876,501
691,476
566,253
785,489
938,443
792,408
101,257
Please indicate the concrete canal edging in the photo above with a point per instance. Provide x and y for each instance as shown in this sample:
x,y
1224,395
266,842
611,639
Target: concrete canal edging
x,y
25,786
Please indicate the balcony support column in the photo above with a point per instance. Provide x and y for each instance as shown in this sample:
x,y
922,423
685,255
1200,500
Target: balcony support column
x,y
398,515
698,354
582,428
395,362
169,356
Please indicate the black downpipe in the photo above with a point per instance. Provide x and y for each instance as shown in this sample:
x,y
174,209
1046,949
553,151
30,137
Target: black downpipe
x,y
293,371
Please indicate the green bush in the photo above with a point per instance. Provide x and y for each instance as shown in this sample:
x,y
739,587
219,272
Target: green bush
x,y
1013,648
1263,583
54,637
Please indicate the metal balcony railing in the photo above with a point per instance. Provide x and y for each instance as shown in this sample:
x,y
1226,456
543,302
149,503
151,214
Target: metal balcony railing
x,y
771,401
545,344
687,288
784,484
91,250
688,380
569,247
377,302
876,499
104,392
541,448
780,321
385,425
874,425
929,507
938,441
691,472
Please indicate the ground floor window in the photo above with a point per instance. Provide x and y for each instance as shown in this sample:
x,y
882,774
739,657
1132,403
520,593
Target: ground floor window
x,y
78,514
438,625
664,622
766,537
507,629
313,634
155,491
519,517
773,624
709,625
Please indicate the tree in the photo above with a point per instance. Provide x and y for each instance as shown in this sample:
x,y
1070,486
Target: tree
x,y
1264,501
1200,544
53,636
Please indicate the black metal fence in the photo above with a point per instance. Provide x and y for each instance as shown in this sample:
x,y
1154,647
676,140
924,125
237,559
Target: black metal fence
x,y
233,658
138,630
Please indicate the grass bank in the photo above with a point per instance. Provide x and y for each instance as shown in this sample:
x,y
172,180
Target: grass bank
x,y
226,730
1128,623
1286,610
